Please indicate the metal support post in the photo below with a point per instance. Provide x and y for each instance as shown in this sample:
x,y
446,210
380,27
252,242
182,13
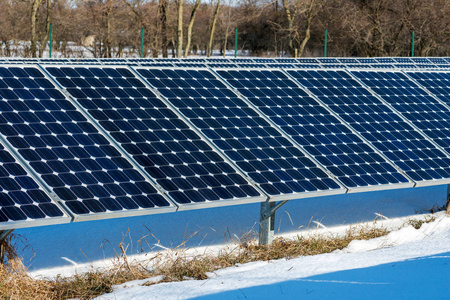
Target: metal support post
x,y
325,44
51,41
267,221
412,45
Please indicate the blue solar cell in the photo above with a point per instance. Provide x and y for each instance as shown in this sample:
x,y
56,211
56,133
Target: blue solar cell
x,y
51,135
179,160
438,83
279,167
309,123
413,103
377,123
22,201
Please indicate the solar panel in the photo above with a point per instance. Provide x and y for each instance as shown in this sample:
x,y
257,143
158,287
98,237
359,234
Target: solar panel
x,y
438,83
264,60
412,102
279,167
196,60
286,60
403,60
402,144
346,60
385,60
23,202
420,60
251,65
366,60
310,124
189,65
77,163
217,60
241,60
179,160
307,61
328,60
437,60
221,65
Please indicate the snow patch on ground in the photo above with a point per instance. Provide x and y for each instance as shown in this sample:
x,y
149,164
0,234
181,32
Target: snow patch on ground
x,y
407,263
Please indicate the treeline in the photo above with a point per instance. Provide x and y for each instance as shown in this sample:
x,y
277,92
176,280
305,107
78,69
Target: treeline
x,y
112,28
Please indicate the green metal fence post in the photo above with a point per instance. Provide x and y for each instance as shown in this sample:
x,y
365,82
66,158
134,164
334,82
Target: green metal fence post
x,y
412,46
325,45
235,42
142,42
51,41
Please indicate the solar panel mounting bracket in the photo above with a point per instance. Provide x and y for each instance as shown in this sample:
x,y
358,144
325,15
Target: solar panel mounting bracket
x,y
267,221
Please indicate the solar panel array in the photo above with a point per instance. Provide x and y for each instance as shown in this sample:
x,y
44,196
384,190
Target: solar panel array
x,y
87,139
384,128
259,149
176,157
67,152
310,124
214,62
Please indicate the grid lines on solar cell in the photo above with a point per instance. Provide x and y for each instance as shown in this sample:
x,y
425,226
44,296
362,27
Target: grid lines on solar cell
x,y
246,138
331,143
412,102
69,154
162,143
21,198
377,123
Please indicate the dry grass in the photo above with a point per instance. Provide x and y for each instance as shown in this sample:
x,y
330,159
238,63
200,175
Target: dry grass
x,y
418,223
172,265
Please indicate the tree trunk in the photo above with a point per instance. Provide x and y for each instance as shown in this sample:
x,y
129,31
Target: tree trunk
x,y
108,42
213,27
190,26
45,37
34,12
162,10
180,29
224,49
309,16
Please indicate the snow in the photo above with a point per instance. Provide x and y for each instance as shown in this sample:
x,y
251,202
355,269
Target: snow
x,y
405,264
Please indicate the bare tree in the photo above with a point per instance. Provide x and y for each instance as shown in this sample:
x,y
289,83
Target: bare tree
x,y
213,28
190,26
162,26
180,28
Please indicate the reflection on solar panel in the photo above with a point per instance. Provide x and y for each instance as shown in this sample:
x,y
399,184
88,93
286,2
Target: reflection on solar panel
x,y
162,143
81,167
377,123
22,202
326,138
412,102
280,168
